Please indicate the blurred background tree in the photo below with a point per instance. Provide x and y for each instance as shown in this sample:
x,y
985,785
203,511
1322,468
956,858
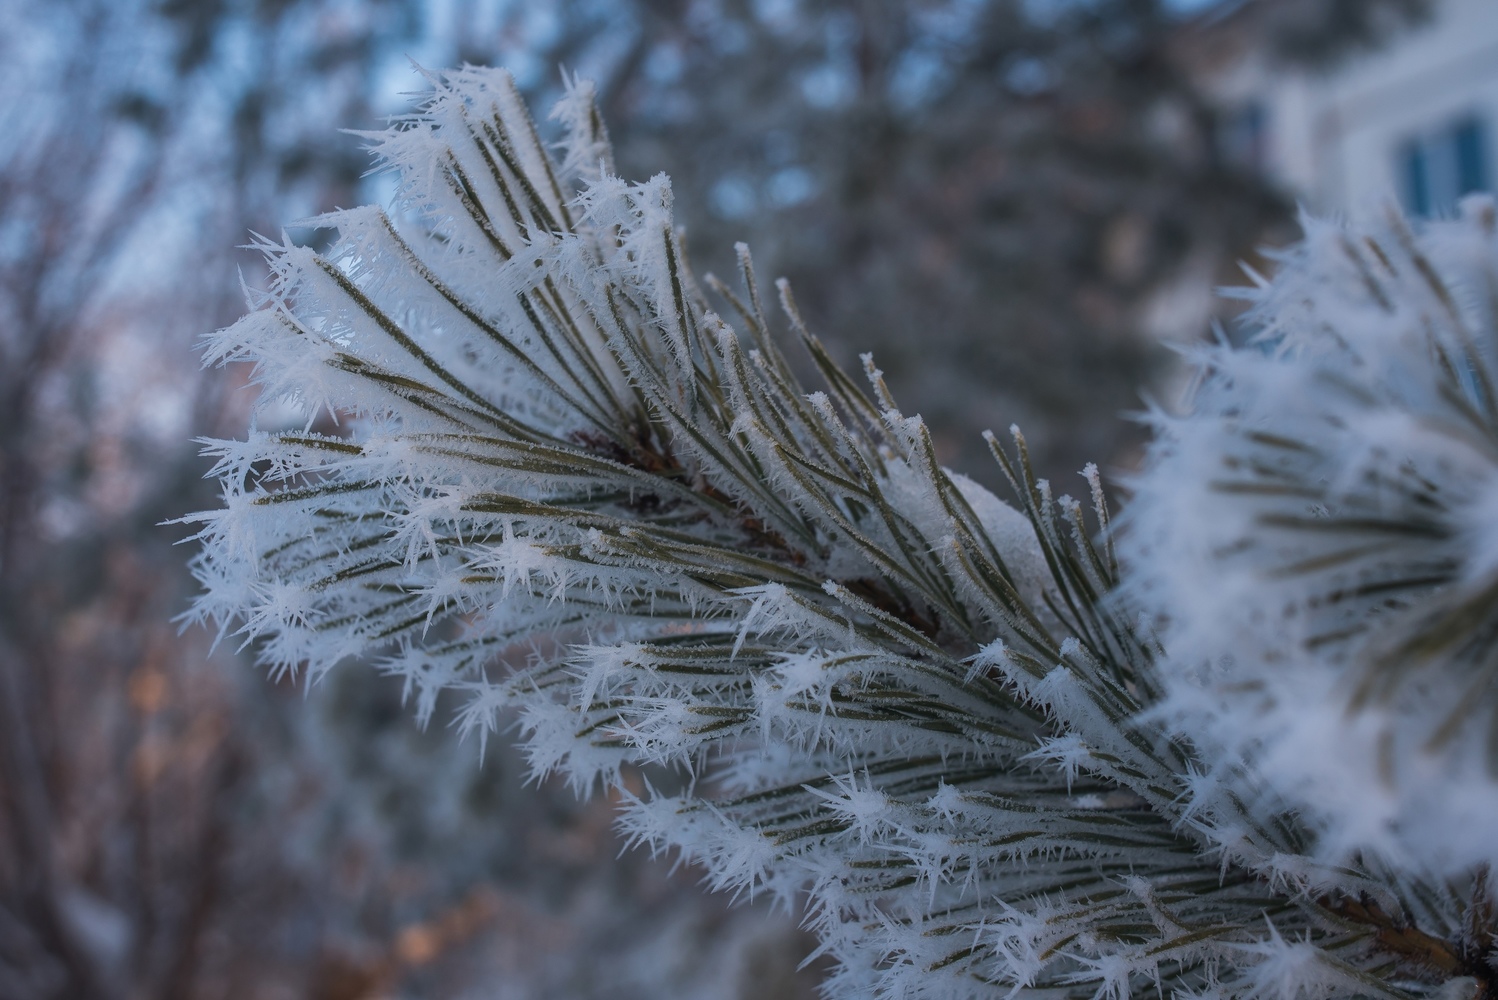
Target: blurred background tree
x,y
999,198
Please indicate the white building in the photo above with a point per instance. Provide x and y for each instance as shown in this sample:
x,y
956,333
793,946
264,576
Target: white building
x,y
1416,120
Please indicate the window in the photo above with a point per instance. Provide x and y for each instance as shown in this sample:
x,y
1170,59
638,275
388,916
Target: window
x,y
1438,168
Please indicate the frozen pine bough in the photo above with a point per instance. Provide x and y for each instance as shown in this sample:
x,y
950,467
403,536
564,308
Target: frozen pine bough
x,y
550,471
1337,484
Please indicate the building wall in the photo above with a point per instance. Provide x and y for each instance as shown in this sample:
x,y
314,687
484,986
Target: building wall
x,y
1416,120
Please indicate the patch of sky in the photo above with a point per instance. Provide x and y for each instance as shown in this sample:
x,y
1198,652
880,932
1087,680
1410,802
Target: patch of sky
x,y
779,15
538,21
382,188
733,197
16,235
829,85
790,187
29,58
949,23
917,78
834,83
392,86
235,55
665,63
726,35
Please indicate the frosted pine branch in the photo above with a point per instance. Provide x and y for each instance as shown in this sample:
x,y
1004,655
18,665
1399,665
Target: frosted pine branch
x,y
542,470
1336,481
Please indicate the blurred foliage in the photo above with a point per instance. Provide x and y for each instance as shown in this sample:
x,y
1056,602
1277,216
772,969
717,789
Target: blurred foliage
x,y
1323,33
992,196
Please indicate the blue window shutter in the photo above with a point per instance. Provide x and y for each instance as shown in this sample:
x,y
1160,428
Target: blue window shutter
x,y
1470,138
1414,174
